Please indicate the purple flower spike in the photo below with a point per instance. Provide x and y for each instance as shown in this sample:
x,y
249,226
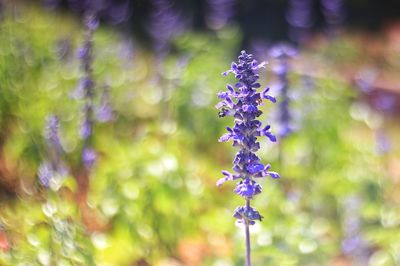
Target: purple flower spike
x,y
242,102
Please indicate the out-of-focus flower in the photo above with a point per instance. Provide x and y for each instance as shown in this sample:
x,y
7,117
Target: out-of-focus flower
x,y
88,157
334,13
52,131
219,13
117,12
51,4
283,53
114,12
52,167
365,78
241,101
104,111
86,84
300,18
383,144
45,173
165,23
353,244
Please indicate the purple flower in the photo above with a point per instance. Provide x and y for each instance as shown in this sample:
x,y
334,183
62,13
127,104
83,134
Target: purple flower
x,y
247,213
248,188
242,101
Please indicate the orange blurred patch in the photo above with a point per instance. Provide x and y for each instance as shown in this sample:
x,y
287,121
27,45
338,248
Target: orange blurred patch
x,y
193,251
4,244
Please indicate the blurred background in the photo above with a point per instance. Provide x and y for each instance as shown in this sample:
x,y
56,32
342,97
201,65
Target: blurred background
x,y
108,132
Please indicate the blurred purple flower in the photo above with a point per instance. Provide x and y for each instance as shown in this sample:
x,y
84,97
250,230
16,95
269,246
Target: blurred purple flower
x,y
260,48
241,101
365,78
384,101
84,5
45,173
219,13
53,166
51,4
300,18
51,130
117,12
165,24
104,112
86,84
383,143
88,157
86,128
353,244
334,13
282,53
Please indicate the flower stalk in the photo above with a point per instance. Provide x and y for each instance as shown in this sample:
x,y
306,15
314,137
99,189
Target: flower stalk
x,y
242,101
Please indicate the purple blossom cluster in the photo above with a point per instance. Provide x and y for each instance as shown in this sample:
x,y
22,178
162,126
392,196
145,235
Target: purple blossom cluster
x,y
242,101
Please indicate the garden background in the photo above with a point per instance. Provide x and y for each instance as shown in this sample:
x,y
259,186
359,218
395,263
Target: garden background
x,y
149,195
